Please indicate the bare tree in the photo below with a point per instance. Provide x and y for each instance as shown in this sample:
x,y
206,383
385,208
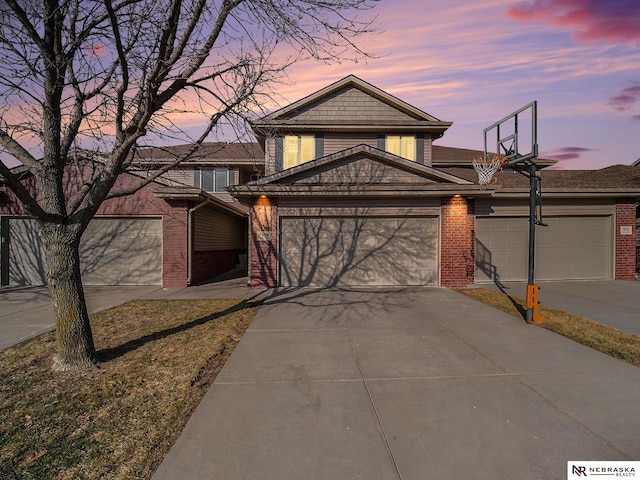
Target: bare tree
x,y
103,75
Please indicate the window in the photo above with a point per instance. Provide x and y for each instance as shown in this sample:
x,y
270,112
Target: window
x,y
215,179
402,145
298,149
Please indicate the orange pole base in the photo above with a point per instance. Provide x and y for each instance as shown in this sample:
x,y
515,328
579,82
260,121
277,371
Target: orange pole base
x,y
533,303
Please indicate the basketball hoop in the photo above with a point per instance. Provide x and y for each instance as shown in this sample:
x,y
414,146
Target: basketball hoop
x,y
487,165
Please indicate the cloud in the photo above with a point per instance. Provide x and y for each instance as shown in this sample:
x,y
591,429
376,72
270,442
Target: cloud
x,y
601,21
96,49
627,98
567,153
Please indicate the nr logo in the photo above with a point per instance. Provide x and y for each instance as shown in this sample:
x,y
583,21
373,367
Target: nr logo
x,y
579,471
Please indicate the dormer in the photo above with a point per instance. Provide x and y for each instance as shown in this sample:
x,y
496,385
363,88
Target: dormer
x,y
342,115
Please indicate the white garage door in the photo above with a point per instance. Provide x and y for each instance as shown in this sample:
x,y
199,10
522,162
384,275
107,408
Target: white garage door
x,y
570,248
113,251
358,251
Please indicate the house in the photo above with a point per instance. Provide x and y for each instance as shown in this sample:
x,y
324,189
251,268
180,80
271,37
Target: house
x,y
343,187
356,193
176,231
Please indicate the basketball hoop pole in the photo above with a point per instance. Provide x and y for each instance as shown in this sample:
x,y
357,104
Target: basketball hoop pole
x,y
532,288
522,162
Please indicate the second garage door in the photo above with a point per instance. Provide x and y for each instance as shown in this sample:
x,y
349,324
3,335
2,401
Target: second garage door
x,y
113,251
570,248
376,251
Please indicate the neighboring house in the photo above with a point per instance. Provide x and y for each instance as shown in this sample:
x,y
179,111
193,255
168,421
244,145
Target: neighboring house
x,y
170,233
355,193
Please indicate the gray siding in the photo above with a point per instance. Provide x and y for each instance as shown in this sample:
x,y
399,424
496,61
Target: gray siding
x,y
361,170
215,230
182,175
337,142
350,105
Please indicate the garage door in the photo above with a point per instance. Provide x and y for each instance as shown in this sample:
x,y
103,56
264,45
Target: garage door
x,y
570,248
355,251
113,251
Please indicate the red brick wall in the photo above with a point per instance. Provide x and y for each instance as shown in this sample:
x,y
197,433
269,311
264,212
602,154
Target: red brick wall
x,y
625,244
174,245
263,252
457,242
210,263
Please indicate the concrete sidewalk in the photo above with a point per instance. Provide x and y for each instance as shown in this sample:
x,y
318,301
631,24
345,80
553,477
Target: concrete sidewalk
x,y
612,302
419,383
27,311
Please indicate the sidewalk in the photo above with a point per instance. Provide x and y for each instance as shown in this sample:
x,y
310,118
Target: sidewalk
x,y
27,311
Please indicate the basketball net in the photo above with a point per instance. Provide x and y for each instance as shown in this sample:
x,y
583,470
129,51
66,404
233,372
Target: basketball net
x,y
488,166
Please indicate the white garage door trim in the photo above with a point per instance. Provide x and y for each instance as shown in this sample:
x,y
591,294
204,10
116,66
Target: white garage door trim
x,y
358,251
113,251
570,248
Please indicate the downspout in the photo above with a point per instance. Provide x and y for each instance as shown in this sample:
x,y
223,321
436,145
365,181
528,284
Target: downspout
x,y
190,238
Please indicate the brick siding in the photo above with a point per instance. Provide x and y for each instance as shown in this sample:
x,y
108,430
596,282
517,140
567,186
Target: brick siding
x,y
174,245
457,242
263,251
626,256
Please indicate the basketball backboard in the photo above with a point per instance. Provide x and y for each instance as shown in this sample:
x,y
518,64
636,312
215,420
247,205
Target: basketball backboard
x,y
515,136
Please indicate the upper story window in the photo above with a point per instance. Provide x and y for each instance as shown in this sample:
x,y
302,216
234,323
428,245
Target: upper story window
x,y
402,145
298,149
215,179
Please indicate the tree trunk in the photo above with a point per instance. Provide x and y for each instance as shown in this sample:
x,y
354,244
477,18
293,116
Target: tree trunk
x,y
76,350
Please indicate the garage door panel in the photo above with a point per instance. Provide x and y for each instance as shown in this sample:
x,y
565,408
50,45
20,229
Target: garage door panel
x,y
569,248
113,251
122,252
358,251
26,255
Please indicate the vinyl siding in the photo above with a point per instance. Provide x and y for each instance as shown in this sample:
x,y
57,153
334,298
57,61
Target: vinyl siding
x,y
214,230
350,105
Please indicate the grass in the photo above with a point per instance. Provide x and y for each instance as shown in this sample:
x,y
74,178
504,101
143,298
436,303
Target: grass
x,y
118,421
603,338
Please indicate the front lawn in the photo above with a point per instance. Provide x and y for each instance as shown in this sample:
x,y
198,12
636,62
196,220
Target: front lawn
x,y
118,421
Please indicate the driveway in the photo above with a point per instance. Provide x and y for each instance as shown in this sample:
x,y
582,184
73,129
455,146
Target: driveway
x,y
612,302
419,383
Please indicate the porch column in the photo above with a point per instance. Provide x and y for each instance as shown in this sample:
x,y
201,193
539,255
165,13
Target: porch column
x,y
457,262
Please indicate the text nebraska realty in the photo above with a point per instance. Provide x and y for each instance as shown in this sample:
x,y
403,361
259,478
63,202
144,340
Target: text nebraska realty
x,y
604,471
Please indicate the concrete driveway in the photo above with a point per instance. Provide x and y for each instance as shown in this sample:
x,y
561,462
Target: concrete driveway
x,y
612,302
419,383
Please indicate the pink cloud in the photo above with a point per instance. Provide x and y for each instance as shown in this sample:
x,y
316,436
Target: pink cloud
x,y
567,153
628,97
607,21
96,49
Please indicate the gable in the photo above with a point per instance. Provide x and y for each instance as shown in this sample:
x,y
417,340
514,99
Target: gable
x,y
361,165
349,105
356,170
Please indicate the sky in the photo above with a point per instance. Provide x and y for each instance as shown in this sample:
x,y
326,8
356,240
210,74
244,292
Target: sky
x,y
474,62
